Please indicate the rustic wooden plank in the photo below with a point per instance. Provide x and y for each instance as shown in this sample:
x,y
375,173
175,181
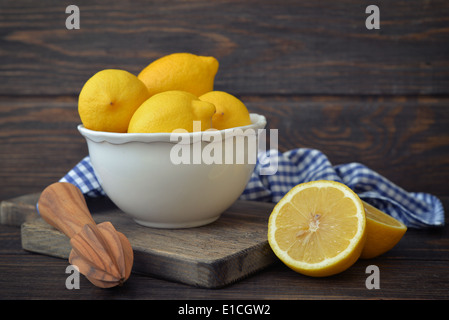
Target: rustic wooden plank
x,y
403,275
415,269
211,256
403,138
286,47
18,210
43,277
39,143
406,139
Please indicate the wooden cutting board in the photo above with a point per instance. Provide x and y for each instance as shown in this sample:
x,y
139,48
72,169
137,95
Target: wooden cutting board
x,y
232,248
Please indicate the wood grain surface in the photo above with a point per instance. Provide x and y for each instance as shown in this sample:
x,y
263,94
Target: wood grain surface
x,y
416,269
406,139
282,47
322,79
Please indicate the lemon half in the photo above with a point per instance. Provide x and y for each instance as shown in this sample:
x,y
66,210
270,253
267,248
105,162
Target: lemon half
x,y
318,228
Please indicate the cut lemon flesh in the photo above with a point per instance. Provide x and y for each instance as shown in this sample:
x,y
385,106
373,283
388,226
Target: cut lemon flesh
x,y
318,228
383,232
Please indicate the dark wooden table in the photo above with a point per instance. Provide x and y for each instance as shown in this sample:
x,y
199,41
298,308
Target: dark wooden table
x,y
379,97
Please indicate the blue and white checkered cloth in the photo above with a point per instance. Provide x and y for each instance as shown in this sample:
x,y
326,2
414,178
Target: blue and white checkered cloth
x,y
415,210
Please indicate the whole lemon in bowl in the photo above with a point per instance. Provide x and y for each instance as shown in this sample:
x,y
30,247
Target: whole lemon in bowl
x,y
230,112
180,71
109,98
171,110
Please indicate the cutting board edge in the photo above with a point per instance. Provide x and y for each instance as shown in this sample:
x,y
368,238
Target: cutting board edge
x,y
34,239
16,211
229,265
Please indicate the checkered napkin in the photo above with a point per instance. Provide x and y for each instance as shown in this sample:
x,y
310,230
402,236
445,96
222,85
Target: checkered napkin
x,y
415,210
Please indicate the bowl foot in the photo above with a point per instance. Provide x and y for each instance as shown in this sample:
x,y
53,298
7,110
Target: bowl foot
x,y
177,225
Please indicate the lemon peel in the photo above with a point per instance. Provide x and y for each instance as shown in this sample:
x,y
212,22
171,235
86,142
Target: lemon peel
x,y
109,99
180,71
230,112
171,110
383,232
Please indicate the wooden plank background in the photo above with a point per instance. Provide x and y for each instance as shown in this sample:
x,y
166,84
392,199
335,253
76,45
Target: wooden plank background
x,y
379,97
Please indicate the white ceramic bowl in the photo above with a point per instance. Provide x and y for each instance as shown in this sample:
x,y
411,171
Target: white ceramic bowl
x,y
141,173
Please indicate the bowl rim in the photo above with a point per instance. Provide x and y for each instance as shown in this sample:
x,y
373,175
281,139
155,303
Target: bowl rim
x,y
258,121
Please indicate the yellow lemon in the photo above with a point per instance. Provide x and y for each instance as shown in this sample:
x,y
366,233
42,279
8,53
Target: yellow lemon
x,y
383,232
171,110
109,98
180,71
318,228
230,111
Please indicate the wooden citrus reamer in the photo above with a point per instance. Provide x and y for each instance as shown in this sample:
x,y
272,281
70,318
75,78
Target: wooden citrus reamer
x,y
100,252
